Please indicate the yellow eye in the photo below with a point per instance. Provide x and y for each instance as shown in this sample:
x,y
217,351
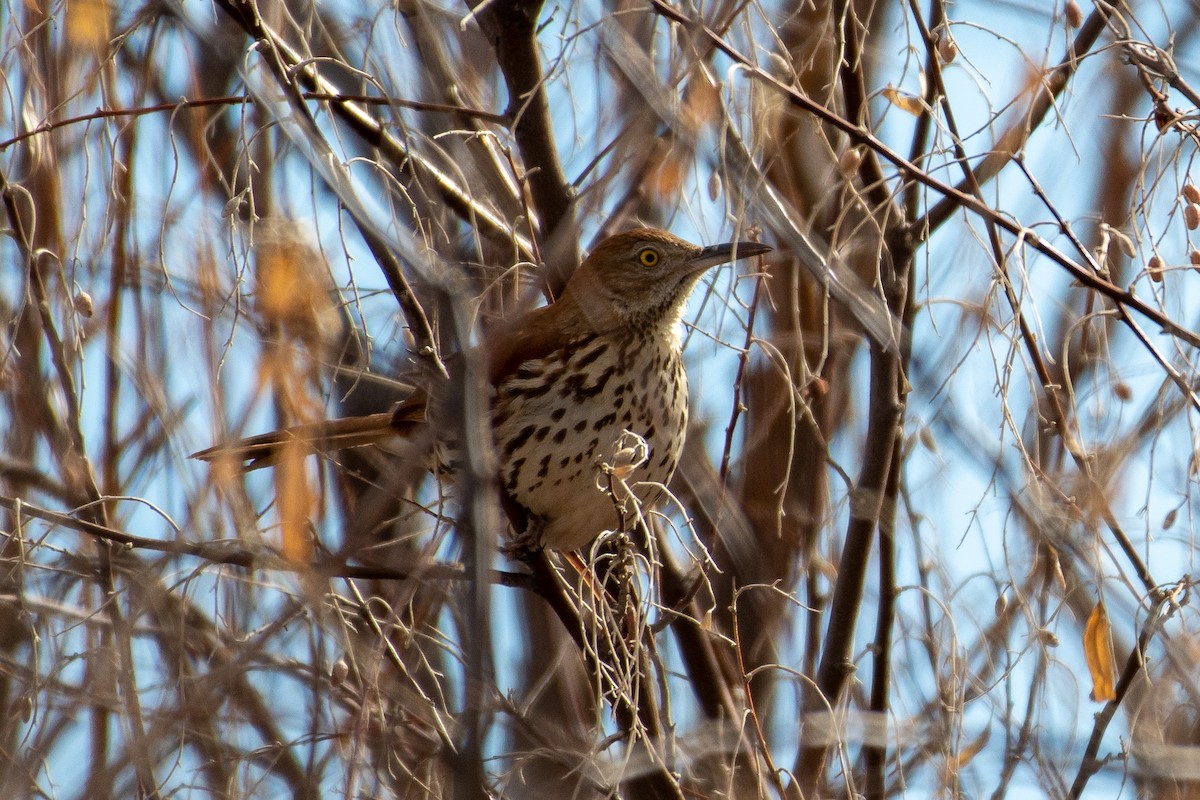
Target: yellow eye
x,y
648,256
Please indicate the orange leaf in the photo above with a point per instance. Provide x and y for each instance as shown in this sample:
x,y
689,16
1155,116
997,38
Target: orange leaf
x,y
1097,648
701,102
667,179
87,23
903,101
968,753
296,502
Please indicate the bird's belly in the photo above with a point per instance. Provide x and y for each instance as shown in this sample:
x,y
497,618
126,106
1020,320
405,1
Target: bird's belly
x,y
558,421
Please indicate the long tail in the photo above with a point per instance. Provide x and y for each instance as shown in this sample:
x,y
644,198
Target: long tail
x,y
256,452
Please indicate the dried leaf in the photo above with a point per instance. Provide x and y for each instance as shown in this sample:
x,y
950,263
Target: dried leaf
x,y
905,102
968,753
296,501
666,181
1164,117
1097,649
701,102
87,23
1126,244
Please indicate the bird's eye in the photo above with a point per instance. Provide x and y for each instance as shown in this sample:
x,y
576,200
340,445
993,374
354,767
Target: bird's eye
x,y
648,257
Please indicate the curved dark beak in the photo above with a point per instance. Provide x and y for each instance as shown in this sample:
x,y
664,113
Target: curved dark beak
x,y
724,253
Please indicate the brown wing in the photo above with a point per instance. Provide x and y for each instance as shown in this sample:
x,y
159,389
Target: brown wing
x,y
536,335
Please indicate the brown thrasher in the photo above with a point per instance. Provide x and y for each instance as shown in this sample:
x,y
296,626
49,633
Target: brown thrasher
x,y
570,379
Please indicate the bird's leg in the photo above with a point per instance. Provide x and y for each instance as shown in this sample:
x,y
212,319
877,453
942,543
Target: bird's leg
x,y
524,545
526,540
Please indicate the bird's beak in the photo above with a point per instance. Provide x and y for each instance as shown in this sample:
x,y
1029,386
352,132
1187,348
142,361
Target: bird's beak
x,y
724,253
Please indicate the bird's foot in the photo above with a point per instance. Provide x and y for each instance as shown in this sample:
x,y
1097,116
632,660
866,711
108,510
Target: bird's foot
x,y
524,545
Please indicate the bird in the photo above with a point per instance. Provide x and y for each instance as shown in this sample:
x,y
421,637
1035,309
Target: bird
x,y
594,378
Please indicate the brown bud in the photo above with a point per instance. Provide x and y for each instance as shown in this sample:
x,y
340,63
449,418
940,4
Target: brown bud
x,y
1073,14
1122,391
1191,193
1194,258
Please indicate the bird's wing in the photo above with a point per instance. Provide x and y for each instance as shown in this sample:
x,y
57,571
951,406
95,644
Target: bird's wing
x,y
537,334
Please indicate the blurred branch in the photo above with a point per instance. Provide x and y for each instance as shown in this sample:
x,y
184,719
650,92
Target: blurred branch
x,y
260,558
51,125
71,454
512,27
866,503
369,129
852,81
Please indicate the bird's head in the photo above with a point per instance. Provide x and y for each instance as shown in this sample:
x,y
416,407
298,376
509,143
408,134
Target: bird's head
x,y
642,278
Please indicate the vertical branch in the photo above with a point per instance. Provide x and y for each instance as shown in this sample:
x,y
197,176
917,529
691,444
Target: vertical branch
x,y
477,531
866,502
875,751
512,27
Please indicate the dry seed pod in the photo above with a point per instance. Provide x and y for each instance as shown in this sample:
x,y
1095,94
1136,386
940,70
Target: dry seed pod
x,y
1154,268
1165,117
714,187
339,672
1001,604
1047,637
1194,258
83,304
1191,193
1073,14
1122,391
946,48
849,161
1191,216
779,68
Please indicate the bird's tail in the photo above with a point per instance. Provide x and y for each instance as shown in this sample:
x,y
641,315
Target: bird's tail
x,y
264,450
